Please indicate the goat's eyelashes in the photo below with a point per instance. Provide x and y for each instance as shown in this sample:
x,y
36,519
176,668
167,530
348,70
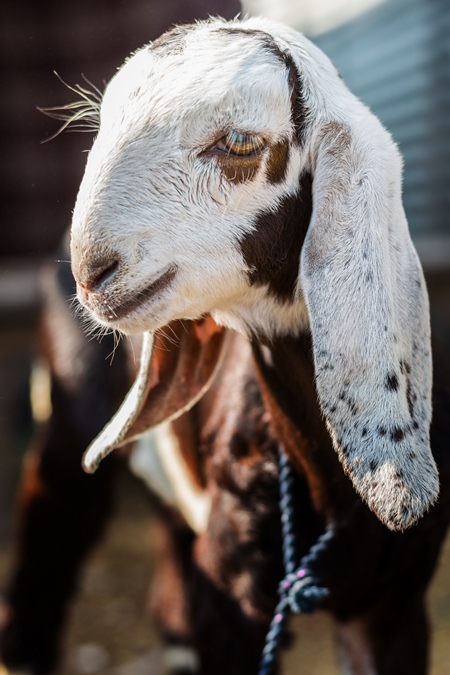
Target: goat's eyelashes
x,y
238,144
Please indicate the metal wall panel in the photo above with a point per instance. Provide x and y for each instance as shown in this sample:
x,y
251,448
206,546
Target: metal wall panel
x,y
396,58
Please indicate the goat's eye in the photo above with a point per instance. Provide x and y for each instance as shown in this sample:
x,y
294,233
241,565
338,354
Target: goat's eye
x,y
239,144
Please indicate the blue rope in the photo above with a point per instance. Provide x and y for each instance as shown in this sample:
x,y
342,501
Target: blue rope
x,y
301,590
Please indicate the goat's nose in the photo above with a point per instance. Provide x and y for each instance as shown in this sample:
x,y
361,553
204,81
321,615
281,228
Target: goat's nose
x,y
94,274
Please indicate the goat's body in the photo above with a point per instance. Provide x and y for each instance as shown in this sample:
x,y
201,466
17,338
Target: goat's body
x,y
377,578
216,590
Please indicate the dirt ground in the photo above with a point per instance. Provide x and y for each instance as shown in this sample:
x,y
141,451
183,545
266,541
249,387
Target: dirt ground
x,y
108,632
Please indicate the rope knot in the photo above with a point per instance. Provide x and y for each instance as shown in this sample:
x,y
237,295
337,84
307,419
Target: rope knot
x,y
301,591
304,591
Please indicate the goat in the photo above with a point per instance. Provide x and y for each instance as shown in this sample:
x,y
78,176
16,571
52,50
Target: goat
x,y
224,174
236,184
235,175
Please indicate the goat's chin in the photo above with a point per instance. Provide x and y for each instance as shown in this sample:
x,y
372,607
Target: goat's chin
x,y
133,324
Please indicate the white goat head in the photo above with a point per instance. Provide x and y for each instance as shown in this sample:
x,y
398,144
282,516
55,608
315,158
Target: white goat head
x,y
234,174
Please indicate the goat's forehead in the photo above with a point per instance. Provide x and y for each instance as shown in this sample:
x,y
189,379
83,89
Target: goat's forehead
x,y
215,67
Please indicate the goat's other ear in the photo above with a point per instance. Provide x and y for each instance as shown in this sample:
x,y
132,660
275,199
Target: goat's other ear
x,y
175,371
369,317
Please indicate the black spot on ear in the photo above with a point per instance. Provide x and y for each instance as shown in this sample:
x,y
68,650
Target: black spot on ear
x,y
392,382
405,368
411,397
353,407
397,434
393,516
364,432
272,250
373,465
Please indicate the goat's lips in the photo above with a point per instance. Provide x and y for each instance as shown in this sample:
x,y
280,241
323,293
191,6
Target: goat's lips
x,y
113,309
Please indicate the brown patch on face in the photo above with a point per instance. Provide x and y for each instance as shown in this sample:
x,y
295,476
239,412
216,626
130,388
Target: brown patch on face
x,y
277,162
239,169
272,249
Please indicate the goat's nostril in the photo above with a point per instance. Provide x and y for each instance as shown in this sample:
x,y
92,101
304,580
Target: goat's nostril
x,y
103,274
93,275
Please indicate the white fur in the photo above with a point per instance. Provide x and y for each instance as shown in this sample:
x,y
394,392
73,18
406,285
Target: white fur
x,y
150,198
157,459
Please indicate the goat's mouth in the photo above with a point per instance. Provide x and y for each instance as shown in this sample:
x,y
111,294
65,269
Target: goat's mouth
x,y
112,309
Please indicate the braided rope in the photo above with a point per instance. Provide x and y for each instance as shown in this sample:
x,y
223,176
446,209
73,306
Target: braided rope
x,y
300,591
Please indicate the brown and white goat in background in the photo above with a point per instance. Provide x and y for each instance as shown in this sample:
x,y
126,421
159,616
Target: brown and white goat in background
x,y
237,185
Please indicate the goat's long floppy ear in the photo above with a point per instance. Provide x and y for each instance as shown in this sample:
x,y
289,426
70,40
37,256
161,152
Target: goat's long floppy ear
x,y
369,316
174,374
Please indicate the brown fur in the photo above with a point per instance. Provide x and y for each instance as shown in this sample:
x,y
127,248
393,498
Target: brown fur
x,y
272,249
239,170
278,162
218,591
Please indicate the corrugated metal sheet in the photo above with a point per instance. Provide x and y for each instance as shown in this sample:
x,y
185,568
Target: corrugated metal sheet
x,y
396,58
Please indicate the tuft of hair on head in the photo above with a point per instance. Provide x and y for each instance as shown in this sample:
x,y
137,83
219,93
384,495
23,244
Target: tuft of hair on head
x,y
82,115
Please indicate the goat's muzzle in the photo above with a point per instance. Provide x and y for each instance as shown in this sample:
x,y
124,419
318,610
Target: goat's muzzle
x,y
94,273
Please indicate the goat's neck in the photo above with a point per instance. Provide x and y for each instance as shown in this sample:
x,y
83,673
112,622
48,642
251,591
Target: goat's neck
x,y
286,376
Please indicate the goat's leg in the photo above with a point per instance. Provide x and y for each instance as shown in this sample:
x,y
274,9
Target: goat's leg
x,y
62,513
170,602
237,569
228,639
390,640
